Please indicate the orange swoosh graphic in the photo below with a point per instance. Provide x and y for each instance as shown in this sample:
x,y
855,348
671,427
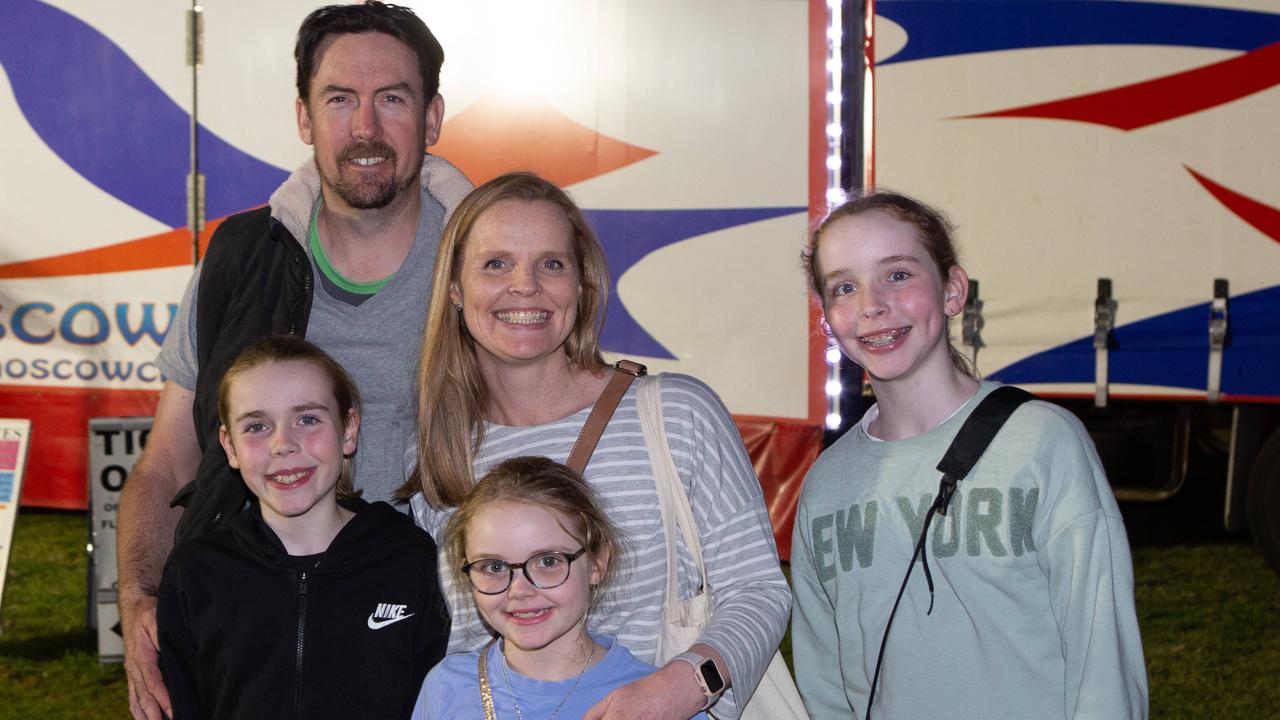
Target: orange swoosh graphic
x,y
168,249
493,136
485,140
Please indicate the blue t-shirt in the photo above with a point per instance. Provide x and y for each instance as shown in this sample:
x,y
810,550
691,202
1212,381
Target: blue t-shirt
x,y
452,688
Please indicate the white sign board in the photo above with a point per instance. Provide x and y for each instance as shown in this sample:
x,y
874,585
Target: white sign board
x,y
114,446
14,437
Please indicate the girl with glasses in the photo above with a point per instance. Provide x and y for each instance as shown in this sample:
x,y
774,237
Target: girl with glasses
x,y
534,547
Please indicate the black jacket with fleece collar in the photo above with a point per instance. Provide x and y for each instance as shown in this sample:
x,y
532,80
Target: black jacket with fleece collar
x,y
248,631
256,281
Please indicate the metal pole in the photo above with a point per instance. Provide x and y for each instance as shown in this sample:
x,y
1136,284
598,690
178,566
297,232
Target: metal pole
x,y
195,181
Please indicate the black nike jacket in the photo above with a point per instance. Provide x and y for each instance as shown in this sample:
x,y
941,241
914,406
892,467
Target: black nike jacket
x,y
248,631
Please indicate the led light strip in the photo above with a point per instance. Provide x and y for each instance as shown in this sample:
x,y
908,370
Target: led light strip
x,y
835,195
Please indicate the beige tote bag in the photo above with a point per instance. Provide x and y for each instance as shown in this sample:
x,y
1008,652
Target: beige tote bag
x,y
776,697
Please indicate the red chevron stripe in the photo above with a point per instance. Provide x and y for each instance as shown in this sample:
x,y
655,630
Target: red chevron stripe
x,y
1153,101
1260,215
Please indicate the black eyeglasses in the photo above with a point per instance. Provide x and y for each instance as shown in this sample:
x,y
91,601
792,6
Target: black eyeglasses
x,y
546,570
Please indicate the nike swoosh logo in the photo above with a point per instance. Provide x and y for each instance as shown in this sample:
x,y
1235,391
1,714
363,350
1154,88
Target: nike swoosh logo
x,y
379,624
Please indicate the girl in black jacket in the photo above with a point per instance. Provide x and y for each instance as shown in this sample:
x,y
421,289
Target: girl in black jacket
x,y
312,603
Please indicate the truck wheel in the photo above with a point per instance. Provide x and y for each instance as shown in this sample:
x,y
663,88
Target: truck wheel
x,y
1264,501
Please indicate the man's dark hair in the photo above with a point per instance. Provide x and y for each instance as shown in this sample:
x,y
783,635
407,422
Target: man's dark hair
x,y
399,22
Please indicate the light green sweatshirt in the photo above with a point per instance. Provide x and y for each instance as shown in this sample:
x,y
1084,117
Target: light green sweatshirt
x,y
1033,615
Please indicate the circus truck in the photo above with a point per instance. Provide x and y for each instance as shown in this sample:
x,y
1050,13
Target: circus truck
x,y
1114,178
128,127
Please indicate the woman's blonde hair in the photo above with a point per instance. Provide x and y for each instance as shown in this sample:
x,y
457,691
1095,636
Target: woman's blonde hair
x,y
452,396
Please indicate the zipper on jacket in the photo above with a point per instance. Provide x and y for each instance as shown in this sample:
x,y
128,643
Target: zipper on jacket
x,y
306,294
302,626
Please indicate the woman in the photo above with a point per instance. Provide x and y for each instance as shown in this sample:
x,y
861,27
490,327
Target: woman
x,y
511,366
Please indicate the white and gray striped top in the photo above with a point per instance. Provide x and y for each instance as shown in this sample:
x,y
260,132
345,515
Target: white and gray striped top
x,y
751,596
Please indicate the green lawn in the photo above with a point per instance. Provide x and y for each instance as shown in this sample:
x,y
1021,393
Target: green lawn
x,y
48,658
1210,619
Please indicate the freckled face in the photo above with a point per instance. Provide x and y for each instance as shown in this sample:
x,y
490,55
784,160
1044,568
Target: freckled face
x,y
518,284
286,436
528,618
884,299
368,120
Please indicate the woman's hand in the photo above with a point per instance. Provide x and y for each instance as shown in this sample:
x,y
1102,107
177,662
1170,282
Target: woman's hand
x,y
671,693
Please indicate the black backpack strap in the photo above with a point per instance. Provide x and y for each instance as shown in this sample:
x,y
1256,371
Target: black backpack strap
x,y
975,436
970,443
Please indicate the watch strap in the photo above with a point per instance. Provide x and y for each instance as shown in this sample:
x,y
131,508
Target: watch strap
x,y
697,661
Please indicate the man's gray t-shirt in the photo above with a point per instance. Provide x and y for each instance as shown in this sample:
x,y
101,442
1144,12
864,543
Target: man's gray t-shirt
x,y
377,341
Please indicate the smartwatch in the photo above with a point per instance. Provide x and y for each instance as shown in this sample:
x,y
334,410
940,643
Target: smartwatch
x,y
706,674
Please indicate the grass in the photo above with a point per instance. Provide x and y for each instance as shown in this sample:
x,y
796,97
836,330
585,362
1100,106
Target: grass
x,y
48,658
1210,618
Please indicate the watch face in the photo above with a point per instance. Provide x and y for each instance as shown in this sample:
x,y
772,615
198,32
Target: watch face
x,y
711,675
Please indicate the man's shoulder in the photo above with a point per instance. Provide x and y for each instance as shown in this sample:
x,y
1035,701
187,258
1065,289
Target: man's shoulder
x,y
244,230
246,244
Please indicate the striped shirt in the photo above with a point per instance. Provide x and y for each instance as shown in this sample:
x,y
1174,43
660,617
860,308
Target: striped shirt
x,y
751,596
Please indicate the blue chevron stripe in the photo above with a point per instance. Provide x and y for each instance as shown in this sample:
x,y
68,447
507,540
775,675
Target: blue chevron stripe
x,y
939,28
1172,350
99,112
629,235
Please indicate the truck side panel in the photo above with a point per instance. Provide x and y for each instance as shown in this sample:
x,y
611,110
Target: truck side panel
x,y
1071,141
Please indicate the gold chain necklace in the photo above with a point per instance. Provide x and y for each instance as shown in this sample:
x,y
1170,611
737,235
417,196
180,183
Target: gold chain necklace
x,y
506,679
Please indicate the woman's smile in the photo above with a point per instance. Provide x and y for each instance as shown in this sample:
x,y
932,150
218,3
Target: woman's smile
x,y
518,284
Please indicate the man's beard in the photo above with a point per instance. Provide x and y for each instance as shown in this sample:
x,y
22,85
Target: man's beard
x,y
365,191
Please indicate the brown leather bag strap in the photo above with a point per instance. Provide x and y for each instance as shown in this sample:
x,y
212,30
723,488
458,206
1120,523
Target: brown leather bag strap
x,y
624,373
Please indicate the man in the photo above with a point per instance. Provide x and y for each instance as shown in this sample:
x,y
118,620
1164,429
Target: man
x,y
343,253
